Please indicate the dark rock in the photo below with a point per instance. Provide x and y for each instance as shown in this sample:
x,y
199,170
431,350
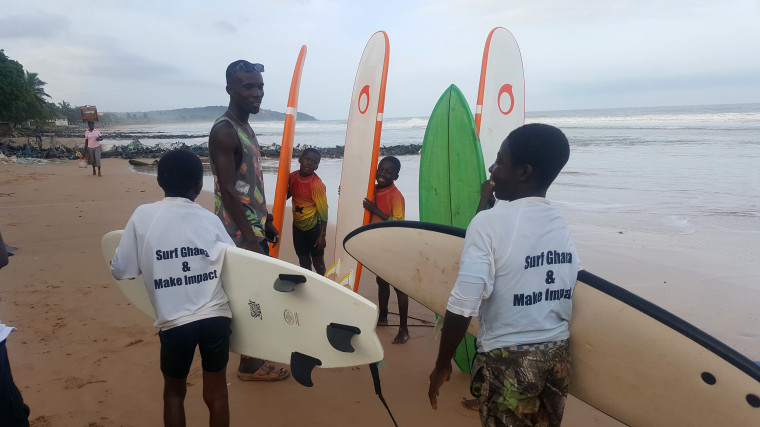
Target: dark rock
x,y
136,149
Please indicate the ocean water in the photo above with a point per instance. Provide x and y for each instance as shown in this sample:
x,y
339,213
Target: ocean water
x,y
669,168
664,170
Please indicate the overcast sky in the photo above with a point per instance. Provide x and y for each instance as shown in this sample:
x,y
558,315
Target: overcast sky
x,y
162,54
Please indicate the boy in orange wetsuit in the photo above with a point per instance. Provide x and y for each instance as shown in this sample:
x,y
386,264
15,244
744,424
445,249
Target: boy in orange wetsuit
x,y
389,205
309,212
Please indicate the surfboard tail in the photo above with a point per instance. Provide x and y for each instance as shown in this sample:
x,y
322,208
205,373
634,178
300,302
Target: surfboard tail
x,y
343,278
332,271
339,276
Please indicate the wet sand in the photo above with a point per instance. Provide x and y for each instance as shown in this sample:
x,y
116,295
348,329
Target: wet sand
x,y
83,356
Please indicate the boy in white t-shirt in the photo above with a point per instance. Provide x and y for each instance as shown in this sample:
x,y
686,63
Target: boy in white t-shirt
x,y
517,274
178,247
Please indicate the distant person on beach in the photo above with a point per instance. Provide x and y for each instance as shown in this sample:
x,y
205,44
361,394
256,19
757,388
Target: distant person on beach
x,y
389,205
239,185
517,273
92,146
309,212
13,410
187,316
38,137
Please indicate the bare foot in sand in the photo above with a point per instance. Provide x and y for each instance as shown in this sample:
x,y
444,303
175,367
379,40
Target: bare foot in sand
x,y
402,336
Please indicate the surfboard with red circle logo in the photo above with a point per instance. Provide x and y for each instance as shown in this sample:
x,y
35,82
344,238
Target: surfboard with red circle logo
x,y
501,94
357,180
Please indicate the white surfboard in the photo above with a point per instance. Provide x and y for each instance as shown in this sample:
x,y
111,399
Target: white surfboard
x,y
632,360
284,313
501,94
357,179
134,289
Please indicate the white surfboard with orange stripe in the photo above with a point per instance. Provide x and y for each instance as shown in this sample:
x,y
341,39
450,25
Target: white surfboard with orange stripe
x,y
501,94
286,151
357,180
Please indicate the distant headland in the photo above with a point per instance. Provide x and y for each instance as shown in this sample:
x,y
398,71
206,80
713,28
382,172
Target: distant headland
x,y
187,115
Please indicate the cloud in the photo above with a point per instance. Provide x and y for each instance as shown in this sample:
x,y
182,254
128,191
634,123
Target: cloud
x,y
158,55
225,27
37,24
116,63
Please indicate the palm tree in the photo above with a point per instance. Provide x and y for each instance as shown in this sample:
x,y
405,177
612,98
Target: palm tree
x,y
35,85
36,105
71,113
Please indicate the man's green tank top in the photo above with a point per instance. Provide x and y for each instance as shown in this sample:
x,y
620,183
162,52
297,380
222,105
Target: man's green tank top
x,y
249,184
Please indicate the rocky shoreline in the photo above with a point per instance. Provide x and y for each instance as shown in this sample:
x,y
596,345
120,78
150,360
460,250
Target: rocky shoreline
x,y
137,150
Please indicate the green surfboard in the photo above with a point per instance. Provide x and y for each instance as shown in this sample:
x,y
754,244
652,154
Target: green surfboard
x,y
451,163
451,173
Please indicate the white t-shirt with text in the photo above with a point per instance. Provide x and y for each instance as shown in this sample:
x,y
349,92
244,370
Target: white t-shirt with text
x,y
178,247
517,273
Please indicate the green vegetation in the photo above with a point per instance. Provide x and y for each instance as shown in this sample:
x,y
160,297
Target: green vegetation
x,y
20,92
23,97
71,113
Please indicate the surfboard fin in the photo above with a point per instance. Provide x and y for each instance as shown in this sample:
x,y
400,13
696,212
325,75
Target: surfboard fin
x,y
301,366
288,282
340,336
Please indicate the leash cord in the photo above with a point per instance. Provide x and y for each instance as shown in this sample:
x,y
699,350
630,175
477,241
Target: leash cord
x,y
378,391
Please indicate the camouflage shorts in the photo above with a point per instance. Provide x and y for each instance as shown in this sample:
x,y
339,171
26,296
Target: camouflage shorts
x,y
522,385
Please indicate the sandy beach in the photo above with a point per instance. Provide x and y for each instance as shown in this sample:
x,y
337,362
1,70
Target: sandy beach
x,y
83,356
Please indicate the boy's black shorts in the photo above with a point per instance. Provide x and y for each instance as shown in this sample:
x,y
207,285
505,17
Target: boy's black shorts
x,y
304,241
212,336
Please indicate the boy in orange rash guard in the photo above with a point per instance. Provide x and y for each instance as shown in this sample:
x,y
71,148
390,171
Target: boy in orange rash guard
x,y
309,212
389,205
